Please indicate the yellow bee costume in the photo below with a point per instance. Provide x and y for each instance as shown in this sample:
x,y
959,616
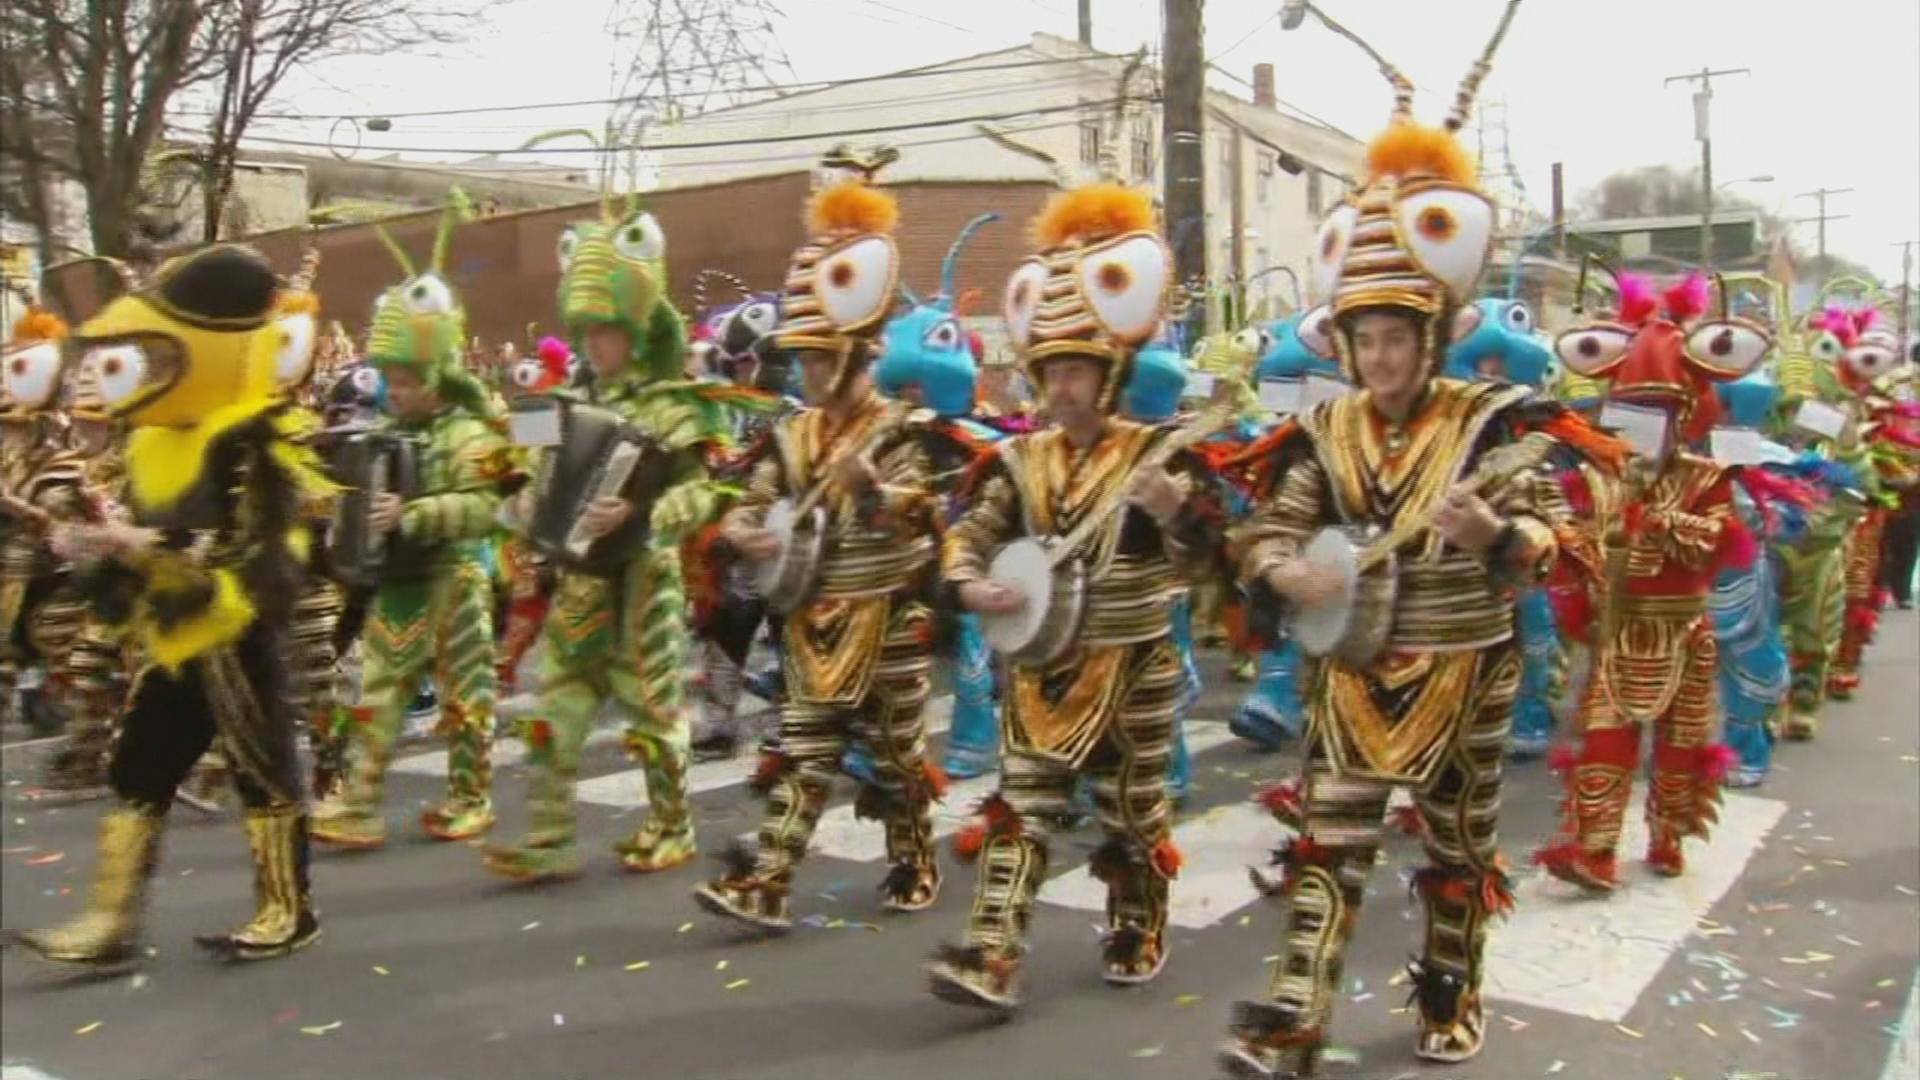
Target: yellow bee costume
x,y
202,580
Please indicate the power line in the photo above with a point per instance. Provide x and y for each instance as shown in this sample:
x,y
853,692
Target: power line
x,y
794,87
878,129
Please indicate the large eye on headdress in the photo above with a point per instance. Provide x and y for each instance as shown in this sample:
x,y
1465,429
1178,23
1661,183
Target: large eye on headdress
x,y
1125,285
944,337
527,373
1253,341
761,316
1330,251
639,238
1517,318
1023,299
1594,349
1728,348
1872,358
568,244
1827,347
298,336
855,282
1316,332
427,295
366,381
122,370
33,374
1448,230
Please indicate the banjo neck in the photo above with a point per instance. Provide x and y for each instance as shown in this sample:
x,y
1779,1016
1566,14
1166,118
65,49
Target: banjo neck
x,y
1497,465
898,414
1201,426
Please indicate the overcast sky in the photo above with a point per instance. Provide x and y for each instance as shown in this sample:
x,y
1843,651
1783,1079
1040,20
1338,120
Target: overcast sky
x,y
1833,101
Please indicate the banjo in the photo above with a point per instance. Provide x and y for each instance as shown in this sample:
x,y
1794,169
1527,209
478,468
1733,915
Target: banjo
x,y
789,578
1054,579
1355,625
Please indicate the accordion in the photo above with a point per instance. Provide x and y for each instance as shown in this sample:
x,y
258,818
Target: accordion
x,y
369,464
594,454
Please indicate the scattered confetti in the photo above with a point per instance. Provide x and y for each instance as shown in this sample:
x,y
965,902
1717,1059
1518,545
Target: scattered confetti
x,y
640,965
1247,920
1845,940
137,981
1751,1037
720,965
1557,1066
684,927
534,925
1148,1051
378,970
559,1020
1340,1055
1883,983
1363,998
1514,1023
1904,889
1627,1031
738,983
88,1029
1185,1000
323,1028
1710,1033
1872,1004
50,857
580,961
1821,994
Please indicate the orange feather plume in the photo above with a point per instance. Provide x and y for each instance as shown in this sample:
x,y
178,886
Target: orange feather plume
x,y
1407,149
38,324
1092,213
851,206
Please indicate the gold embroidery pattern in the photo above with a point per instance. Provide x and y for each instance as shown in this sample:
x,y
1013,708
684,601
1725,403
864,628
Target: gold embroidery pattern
x,y
1396,721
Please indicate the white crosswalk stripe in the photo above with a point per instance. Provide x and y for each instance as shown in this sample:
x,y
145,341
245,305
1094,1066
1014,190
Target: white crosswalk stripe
x,y
1595,956
1217,847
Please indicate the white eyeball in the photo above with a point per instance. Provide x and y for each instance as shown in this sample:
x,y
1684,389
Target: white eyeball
x,y
1125,285
1448,230
944,337
293,361
640,238
855,283
1593,349
1024,291
427,295
526,374
122,370
33,375
1518,318
1729,348
1316,332
568,246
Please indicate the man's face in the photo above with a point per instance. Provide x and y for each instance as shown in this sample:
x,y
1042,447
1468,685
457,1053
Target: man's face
x,y
608,348
408,396
1386,351
816,374
1072,387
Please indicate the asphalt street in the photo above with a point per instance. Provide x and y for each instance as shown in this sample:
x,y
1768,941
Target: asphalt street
x,y
1790,950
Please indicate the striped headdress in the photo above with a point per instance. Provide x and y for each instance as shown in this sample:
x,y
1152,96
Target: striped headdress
x,y
842,282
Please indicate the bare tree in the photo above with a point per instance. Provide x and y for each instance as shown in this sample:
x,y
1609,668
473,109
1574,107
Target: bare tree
x,y
269,39
1665,191
84,90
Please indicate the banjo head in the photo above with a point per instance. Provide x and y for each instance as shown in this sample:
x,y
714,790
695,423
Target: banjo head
x,y
1024,565
1319,630
779,522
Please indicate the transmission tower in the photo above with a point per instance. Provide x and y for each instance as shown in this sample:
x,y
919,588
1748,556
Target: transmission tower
x,y
679,58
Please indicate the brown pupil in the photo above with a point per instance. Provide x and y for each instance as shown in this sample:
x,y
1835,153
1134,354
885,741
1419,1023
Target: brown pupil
x,y
841,275
1722,343
1589,347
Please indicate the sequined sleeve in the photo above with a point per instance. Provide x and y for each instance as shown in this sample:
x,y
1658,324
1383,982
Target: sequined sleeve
x,y
1537,508
1282,525
1691,537
990,520
765,484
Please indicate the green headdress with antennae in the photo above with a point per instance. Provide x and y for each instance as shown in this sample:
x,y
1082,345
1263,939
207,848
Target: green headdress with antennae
x,y
614,272
421,323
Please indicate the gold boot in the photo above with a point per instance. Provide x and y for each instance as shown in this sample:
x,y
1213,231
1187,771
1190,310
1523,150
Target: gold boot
x,y
283,917
107,933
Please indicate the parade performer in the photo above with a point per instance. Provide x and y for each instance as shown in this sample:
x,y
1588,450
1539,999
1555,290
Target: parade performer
x,y
432,611
1408,451
204,577
1496,341
858,651
1659,544
529,577
42,483
1888,439
930,360
623,637
1273,715
1079,311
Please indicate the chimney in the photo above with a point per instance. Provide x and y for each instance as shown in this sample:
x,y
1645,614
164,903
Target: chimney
x,y
1263,86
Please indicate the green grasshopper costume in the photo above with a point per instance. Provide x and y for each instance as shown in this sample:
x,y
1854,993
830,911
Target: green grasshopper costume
x,y
440,623
624,639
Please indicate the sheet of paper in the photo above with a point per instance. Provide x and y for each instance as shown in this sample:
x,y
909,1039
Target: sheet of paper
x,y
1199,385
535,427
1321,388
1821,419
1737,446
1282,396
1645,429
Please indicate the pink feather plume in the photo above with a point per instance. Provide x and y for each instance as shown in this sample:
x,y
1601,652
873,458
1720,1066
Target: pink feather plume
x,y
1688,300
1717,760
1637,299
1836,321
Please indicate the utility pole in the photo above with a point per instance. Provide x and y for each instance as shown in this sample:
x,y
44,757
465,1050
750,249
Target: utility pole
x,y
1086,23
1182,126
1702,130
1821,197
1906,289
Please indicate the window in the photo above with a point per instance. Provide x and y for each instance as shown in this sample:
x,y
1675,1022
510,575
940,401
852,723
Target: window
x,y
1316,199
1143,155
1090,141
1226,164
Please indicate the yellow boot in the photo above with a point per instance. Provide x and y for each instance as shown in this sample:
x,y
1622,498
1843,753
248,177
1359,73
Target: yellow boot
x,y
283,919
107,933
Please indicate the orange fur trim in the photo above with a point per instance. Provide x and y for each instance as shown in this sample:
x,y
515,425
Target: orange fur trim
x,y
38,324
1092,213
1407,150
296,302
852,206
